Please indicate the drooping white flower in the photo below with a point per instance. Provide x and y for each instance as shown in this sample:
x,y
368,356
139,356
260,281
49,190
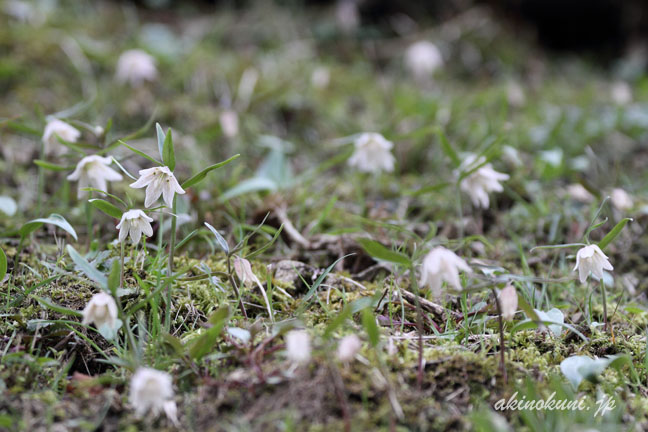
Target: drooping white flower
x,y
440,265
348,348
243,270
482,181
58,128
158,181
347,15
508,302
621,93
135,67
151,391
515,94
298,348
423,58
94,171
102,311
321,77
621,199
229,123
372,153
578,192
591,259
134,222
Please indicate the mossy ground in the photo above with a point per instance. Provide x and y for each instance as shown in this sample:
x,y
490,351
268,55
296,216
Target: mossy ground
x,y
58,375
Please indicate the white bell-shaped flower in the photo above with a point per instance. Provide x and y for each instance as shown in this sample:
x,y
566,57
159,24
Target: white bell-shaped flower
x,y
482,181
58,128
151,391
159,181
348,347
101,310
508,302
135,67
298,347
372,153
423,58
134,222
442,265
621,199
591,259
229,123
94,171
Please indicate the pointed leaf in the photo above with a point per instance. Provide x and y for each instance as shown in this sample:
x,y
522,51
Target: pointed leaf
x,y
369,323
169,154
3,265
202,174
87,268
378,251
160,139
140,153
614,233
106,207
222,243
53,219
50,166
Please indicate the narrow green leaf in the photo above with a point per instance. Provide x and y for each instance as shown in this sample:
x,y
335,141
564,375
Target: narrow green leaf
x,y
447,148
114,278
561,246
222,243
189,236
265,246
106,207
378,251
3,265
321,278
531,324
57,308
369,323
53,219
202,174
50,166
140,153
614,233
87,268
160,139
528,310
169,155
124,170
428,189
174,343
204,344
338,321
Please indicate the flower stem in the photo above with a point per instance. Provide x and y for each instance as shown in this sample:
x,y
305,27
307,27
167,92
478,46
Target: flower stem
x,y
419,327
172,239
605,315
460,212
121,275
233,283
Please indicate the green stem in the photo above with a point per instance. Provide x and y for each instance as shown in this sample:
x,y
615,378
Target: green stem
x,y
172,241
88,214
121,275
419,326
605,315
460,212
